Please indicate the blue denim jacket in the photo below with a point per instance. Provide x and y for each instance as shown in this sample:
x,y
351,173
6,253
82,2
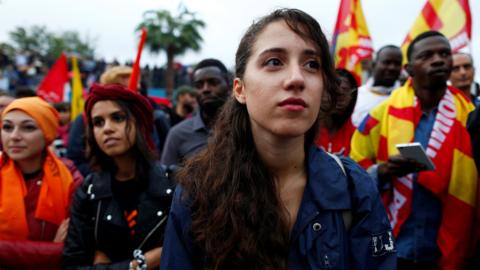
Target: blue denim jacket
x,y
319,239
417,239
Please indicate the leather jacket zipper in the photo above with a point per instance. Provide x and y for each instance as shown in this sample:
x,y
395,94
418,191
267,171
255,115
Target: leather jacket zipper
x,y
152,231
96,221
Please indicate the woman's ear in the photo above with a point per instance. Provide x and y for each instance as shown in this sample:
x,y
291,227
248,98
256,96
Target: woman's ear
x,y
239,90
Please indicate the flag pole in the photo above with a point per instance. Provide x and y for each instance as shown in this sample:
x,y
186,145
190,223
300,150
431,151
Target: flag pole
x,y
134,77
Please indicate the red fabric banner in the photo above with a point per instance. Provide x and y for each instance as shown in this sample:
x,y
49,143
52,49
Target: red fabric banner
x,y
52,87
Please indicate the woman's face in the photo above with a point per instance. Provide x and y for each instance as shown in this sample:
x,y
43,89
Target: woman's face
x,y
22,138
64,116
350,92
283,83
110,128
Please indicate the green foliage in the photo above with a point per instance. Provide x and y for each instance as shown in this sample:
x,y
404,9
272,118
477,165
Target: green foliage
x,y
33,39
7,49
172,34
69,42
50,45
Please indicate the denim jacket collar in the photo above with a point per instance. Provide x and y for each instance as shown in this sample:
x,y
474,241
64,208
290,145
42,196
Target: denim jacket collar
x,y
327,185
326,189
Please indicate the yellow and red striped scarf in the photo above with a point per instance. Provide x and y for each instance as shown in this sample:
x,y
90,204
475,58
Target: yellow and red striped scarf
x,y
454,181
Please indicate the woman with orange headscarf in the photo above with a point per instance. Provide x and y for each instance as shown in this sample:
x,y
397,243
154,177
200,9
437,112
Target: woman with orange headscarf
x,y
35,188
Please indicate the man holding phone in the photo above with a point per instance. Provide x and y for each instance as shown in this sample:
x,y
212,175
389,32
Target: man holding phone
x,y
431,212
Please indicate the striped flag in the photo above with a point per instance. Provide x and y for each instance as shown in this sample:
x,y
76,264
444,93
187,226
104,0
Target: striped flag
x,y
351,42
77,102
450,17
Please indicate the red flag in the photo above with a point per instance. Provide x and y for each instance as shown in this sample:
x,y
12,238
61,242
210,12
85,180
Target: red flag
x,y
53,85
351,42
133,83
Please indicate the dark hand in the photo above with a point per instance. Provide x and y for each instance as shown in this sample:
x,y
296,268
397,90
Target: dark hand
x,y
398,166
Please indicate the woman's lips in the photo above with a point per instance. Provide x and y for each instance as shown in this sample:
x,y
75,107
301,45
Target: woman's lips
x,y
110,141
16,149
293,104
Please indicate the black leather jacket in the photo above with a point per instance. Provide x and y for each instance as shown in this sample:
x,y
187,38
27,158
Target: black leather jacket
x,y
97,222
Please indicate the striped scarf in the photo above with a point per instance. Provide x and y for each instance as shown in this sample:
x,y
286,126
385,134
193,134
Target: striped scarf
x,y
454,181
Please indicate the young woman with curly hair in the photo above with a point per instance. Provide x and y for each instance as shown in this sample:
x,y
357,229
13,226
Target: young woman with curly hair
x,y
262,195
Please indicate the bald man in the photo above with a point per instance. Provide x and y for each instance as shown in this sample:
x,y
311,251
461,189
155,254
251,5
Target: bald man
x,y
462,76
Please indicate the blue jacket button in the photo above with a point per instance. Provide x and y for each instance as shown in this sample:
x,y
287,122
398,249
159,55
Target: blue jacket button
x,y
317,226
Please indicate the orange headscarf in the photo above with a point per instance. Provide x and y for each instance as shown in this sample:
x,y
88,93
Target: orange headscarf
x,y
57,181
44,114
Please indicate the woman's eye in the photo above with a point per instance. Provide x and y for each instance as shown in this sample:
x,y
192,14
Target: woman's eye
x,y
273,62
98,122
29,128
7,127
119,118
313,64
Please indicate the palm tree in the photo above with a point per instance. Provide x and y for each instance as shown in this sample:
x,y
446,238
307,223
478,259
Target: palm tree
x,y
174,35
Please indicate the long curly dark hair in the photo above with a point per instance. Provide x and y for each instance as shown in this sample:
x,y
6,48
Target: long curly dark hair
x,y
237,216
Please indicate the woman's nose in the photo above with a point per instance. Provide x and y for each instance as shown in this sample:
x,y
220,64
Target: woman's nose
x,y
296,79
15,134
108,127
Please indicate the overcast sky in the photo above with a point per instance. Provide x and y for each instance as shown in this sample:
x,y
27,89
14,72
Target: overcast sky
x,y
112,22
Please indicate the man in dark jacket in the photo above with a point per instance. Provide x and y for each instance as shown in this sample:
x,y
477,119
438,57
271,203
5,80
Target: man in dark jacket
x,y
211,83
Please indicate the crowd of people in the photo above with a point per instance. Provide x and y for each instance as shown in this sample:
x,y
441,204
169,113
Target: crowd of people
x,y
289,164
25,69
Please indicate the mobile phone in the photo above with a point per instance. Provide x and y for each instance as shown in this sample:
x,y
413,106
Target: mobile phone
x,y
416,152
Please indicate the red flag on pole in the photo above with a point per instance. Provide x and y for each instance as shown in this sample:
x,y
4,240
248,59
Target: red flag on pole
x,y
133,83
52,87
351,42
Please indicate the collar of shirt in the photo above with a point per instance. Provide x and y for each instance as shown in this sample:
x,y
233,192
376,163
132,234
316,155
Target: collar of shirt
x,y
102,187
327,185
326,189
379,89
198,123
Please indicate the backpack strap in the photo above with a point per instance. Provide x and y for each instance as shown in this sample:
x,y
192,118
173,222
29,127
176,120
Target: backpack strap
x,y
346,214
339,162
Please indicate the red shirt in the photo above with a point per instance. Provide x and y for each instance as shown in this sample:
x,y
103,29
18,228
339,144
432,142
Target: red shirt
x,y
339,142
